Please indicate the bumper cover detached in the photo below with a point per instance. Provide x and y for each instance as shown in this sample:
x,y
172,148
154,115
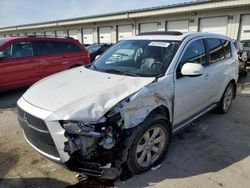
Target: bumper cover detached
x,y
93,169
37,135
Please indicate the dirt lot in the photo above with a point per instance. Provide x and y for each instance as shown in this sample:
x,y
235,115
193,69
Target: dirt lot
x,y
214,152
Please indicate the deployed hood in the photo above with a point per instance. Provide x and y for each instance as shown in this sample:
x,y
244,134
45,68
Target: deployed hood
x,y
82,94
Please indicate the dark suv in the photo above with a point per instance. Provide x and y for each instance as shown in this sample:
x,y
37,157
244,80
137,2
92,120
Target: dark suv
x,y
25,60
97,49
246,44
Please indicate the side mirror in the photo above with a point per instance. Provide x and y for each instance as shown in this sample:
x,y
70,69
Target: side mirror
x,y
2,55
96,57
192,69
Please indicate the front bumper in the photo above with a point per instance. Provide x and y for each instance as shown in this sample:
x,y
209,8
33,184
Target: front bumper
x,y
42,131
93,169
46,136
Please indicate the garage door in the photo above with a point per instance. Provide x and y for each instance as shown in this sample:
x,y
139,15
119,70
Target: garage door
x,y
181,25
148,27
214,25
39,33
125,31
30,34
21,34
49,33
105,34
88,36
245,28
76,34
60,33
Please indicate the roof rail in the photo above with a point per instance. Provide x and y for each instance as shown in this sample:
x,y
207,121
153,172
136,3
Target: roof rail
x,y
161,33
50,36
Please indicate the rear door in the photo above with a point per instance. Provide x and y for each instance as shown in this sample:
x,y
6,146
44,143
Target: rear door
x,y
19,67
219,65
56,56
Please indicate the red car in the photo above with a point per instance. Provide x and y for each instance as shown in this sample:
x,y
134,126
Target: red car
x,y
25,60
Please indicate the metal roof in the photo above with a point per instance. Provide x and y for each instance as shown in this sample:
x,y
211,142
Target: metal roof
x,y
115,13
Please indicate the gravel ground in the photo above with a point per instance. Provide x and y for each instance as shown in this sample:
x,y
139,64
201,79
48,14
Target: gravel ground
x,y
213,152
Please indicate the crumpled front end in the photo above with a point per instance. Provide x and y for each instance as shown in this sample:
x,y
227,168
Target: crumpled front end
x,y
90,133
103,143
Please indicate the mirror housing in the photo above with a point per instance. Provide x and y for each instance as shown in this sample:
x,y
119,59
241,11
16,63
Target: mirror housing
x,y
96,57
192,69
2,55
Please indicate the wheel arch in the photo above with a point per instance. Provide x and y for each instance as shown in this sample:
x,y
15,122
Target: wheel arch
x,y
163,110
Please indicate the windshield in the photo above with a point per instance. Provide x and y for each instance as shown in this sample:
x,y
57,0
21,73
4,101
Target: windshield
x,y
93,48
144,58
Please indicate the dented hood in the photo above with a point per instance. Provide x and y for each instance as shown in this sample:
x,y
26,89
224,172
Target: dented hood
x,y
82,94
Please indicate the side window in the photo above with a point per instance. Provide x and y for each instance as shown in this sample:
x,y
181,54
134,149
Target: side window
x,y
19,50
227,48
215,50
69,47
48,47
195,53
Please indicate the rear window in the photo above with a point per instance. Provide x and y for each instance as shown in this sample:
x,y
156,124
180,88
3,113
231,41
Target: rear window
x,y
215,49
227,47
47,47
69,47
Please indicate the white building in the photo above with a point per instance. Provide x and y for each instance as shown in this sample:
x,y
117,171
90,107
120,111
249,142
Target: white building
x,y
229,17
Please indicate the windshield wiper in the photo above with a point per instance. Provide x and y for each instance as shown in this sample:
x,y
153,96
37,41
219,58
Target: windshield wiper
x,y
119,72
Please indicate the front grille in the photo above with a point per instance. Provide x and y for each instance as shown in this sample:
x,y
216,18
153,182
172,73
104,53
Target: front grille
x,y
37,132
34,121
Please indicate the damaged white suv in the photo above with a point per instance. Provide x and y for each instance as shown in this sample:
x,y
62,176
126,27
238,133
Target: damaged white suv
x,y
120,112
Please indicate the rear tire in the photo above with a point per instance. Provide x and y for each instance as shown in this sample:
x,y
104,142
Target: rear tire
x,y
226,99
150,142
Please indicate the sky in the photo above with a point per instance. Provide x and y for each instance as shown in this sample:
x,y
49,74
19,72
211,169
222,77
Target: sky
x,y
19,12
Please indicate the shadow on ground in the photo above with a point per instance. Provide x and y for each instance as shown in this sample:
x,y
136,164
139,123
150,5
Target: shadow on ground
x,y
45,183
211,144
32,183
9,98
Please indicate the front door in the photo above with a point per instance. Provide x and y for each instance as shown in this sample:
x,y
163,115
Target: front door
x,y
18,67
192,94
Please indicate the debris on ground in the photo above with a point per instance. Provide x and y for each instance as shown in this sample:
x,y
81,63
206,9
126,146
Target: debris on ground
x,y
156,167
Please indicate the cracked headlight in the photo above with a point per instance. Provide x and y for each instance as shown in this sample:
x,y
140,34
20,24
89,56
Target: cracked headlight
x,y
77,127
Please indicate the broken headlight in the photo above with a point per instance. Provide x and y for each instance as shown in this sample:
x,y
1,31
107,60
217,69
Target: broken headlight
x,y
77,127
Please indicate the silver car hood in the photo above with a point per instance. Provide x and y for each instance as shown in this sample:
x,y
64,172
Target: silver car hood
x,y
82,94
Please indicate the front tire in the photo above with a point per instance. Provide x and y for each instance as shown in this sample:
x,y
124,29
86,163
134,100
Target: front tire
x,y
149,145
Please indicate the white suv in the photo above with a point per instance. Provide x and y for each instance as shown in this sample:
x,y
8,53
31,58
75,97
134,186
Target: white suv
x,y
120,112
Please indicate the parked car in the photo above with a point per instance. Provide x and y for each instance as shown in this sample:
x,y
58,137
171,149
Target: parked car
x,y
25,60
242,57
121,112
246,44
97,49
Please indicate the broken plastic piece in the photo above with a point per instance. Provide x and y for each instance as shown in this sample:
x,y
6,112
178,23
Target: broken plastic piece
x,y
156,167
